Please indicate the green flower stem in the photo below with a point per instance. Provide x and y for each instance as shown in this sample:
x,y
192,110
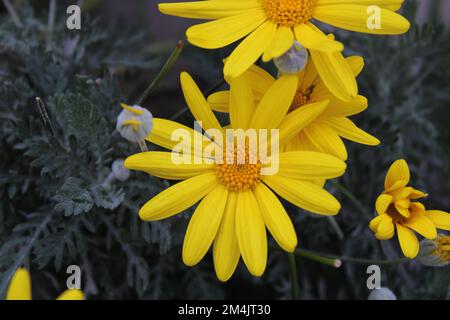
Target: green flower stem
x,y
336,261
294,277
318,257
349,195
164,71
210,91
13,14
51,22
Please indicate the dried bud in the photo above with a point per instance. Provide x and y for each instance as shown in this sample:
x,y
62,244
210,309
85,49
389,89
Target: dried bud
x,y
435,253
293,61
134,123
382,294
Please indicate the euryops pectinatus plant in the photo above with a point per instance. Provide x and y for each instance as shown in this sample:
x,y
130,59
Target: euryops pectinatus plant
x,y
284,156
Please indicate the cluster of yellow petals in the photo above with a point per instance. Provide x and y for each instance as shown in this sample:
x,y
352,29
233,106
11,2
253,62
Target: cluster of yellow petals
x,y
240,169
289,13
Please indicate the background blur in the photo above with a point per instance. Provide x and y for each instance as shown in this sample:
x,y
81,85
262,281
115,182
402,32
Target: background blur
x,y
55,210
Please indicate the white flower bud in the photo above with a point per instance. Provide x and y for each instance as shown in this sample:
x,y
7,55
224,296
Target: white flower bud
x,y
293,61
382,294
435,253
134,123
119,171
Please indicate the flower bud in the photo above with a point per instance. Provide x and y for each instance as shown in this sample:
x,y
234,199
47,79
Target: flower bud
x,y
134,123
382,294
293,61
119,171
435,253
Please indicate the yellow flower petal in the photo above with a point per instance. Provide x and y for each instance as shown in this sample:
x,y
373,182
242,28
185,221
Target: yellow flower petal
x,y
226,248
388,4
336,74
382,203
242,105
355,17
251,233
297,120
161,164
260,81
163,130
203,226
356,63
339,108
408,241
386,229
71,295
282,42
417,194
197,103
307,77
422,225
441,219
207,9
348,130
304,144
398,171
417,207
304,194
308,165
220,101
276,218
313,39
275,103
178,197
20,286
250,49
401,193
326,140
403,211
375,222
220,33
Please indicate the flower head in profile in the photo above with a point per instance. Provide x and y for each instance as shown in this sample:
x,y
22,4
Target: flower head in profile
x,y
436,252
398,209
20,288
237,201
325,132
270,27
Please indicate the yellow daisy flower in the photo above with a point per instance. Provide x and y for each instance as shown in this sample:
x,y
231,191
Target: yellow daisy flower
x,y
237,202
397,210
270,28
20,288
324,133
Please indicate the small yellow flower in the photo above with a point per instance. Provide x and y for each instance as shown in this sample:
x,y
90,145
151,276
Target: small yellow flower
x,y
20,288
397,210
325,132
270,28
237,202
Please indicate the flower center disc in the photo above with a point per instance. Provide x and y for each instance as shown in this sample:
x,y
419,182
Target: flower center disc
x,y
443,249
396,216
301,99
240,170
289,13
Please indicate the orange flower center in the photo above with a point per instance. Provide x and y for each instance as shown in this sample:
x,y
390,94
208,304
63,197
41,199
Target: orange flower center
x,y
443,249
301,99
240,170
289,13
396,216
